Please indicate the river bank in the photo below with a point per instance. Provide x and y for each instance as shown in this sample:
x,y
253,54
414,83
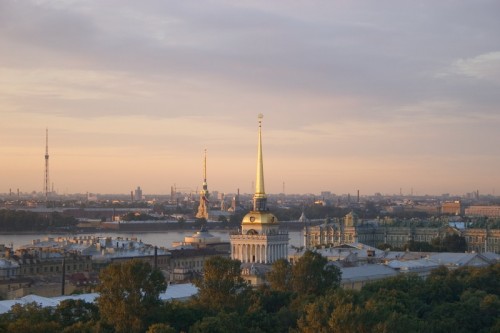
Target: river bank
x,y
158,238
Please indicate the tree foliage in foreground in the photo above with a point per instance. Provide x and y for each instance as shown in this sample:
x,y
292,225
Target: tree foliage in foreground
x,y
221,286
463,300
129,295
312,275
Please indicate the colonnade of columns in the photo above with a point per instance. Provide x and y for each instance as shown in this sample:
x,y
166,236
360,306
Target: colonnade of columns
x,y
259,253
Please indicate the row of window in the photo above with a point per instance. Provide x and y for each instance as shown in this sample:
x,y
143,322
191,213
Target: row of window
x,y
55,268
188,264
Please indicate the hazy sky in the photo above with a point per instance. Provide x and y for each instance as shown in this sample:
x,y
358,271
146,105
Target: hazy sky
x,y
368,95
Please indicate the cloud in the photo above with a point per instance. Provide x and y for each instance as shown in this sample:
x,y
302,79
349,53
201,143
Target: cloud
x,y
482,67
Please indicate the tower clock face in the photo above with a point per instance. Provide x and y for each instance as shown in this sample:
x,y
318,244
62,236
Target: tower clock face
x,y
252,219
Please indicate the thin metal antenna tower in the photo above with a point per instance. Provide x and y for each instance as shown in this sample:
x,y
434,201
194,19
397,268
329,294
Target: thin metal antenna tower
x,y
46,179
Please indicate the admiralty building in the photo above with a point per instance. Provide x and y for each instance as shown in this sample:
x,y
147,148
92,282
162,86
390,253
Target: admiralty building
x,y
351,229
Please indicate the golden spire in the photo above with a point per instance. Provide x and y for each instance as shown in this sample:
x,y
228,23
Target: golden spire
x,y
204,203
205,169
260,193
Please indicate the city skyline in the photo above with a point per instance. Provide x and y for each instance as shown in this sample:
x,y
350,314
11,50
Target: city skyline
x,y
372,96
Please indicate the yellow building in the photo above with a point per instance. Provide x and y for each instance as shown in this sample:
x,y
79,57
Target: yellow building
x,y
451,207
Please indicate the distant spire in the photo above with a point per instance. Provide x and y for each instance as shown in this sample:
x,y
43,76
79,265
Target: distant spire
x,y
259,198
205,171
46,178
203,207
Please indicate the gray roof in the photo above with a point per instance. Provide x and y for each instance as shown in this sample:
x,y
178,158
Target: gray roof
x,y
459,259
366,272
174,291
418,265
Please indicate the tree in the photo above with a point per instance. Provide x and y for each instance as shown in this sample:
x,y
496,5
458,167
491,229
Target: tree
x,y
280,275
181,315
71,311
221,323
455,243
221,284
129,292
312,276
30,318
418,246
316,315
160,328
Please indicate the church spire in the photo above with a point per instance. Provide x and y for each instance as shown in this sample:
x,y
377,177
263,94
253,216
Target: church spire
x,y
259,198
205,186
204,194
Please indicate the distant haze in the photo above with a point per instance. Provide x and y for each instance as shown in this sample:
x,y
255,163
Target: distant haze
x,y
368,95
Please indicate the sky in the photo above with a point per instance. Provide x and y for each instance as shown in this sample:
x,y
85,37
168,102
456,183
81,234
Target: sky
x,y
382,96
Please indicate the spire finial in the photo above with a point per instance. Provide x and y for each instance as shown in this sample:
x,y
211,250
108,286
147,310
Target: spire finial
x,y
260,193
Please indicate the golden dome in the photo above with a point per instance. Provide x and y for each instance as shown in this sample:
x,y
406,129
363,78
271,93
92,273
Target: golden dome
x,y
259,217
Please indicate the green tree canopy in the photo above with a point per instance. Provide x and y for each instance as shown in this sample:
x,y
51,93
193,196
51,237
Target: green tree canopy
x,y
312,276
129,292
280,275
221,284
29,318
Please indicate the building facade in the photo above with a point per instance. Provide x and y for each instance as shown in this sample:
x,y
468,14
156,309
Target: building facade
x,y
488,211
350,229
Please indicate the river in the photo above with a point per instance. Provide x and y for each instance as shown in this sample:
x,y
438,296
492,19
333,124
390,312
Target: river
x,y
159,238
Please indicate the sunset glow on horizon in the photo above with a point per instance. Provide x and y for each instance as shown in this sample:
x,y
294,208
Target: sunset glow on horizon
x,y
368,95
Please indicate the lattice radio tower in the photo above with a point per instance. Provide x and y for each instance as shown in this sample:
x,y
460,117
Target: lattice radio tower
x,y
46,178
